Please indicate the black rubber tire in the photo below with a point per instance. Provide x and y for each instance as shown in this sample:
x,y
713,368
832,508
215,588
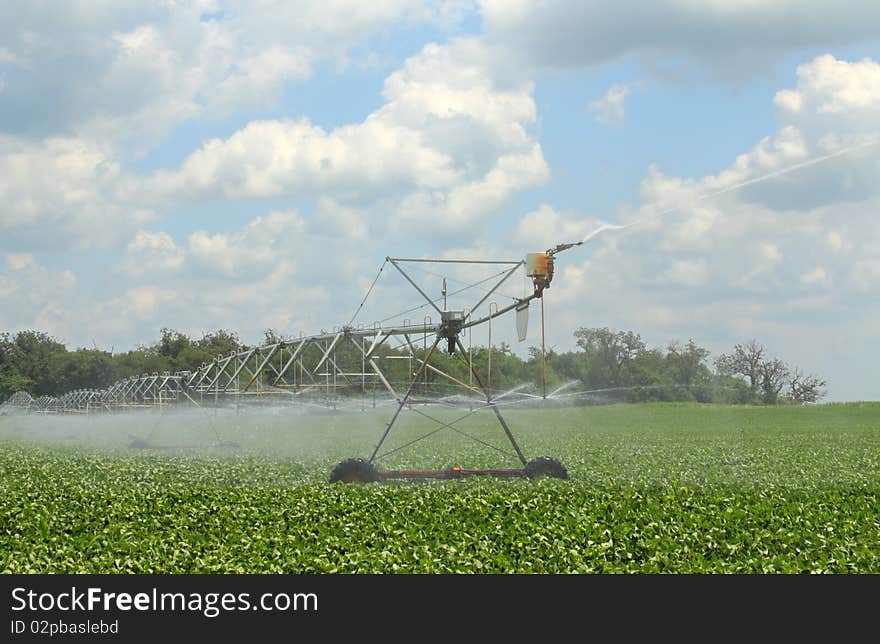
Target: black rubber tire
x,y
354,470
545,466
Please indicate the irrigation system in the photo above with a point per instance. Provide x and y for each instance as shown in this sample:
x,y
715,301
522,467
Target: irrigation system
x,y
324,369
352,364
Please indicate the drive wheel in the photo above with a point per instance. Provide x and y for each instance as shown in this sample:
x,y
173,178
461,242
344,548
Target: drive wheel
x,y
354,470
545,466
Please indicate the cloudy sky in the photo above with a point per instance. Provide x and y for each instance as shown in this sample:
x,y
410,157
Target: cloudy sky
x,y
249,165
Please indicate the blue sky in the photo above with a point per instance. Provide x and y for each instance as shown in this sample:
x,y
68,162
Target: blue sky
x,y
238,165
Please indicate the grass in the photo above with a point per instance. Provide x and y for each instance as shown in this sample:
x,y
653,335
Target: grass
x,y
654,488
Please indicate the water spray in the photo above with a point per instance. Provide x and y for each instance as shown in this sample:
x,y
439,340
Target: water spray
x,y
731,188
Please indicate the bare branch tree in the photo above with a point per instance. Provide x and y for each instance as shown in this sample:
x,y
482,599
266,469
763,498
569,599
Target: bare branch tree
x,y
805,388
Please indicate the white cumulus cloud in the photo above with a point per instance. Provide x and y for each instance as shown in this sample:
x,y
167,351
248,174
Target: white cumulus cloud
x,y
449,144
609,109
152,253
62,193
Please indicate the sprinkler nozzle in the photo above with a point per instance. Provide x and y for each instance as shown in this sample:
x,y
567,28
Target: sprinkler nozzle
x,y
561,247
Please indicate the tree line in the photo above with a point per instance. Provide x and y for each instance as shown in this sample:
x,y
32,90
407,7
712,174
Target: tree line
x,y
35,362
614,365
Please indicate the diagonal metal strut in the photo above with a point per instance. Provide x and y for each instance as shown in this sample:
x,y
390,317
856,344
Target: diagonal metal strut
x,y
402,401
494,407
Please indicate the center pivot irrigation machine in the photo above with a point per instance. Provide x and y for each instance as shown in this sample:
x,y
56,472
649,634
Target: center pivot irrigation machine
x,y
447,333
328,370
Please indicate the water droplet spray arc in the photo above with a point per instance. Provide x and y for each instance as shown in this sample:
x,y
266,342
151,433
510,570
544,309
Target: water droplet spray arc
x,y
604,226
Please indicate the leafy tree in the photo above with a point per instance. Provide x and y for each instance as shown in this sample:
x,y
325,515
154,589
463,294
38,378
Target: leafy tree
x,y
558,365
172,344
687,365
561,367
31,355
745,361
773,379
609,355
220,342
139,361
81,369
648,368
192,357
12,381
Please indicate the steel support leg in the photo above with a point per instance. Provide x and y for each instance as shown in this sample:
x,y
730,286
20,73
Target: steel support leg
x,y
403,401
494,407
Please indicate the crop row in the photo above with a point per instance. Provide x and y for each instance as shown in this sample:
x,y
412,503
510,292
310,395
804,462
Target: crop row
x,y
169,516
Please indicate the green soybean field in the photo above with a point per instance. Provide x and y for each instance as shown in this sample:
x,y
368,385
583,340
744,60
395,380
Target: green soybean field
x,y
653,488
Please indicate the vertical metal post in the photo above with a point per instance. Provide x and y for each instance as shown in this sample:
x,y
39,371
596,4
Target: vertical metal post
x,y
543,352
302,381
335,372
377,326
470,333
259,373
427,321
489,376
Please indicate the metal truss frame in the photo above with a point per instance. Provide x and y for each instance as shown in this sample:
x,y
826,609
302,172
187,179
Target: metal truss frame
x,y
311,365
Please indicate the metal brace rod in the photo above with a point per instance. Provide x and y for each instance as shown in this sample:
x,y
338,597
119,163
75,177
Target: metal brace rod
x,y
142,390
376,344
241,366
375,367
415,286
197,376
204,370
412,384
384,381
445,425
338,371
221,369
495,288
327,352
499,312
453,379
261,367
494,407
279,347
412,352
309,373
293,356
455,261
409,345
127,387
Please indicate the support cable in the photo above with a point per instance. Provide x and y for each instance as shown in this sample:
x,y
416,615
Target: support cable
x,y
461,290
468,286
381,268
441,428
